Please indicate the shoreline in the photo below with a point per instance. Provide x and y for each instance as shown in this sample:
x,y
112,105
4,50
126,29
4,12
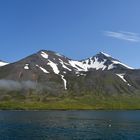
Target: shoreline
x,y
69,110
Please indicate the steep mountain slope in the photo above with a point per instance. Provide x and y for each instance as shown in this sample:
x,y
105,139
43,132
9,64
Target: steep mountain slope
x,y
100,74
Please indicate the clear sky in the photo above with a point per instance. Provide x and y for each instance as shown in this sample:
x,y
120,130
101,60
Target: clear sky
x,y
75,28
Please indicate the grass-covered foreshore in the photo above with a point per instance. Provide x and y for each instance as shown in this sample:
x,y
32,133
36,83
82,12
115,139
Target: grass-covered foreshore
x,y
75,103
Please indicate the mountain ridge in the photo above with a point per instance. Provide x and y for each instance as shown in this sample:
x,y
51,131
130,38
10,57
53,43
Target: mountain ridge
x,y
50,51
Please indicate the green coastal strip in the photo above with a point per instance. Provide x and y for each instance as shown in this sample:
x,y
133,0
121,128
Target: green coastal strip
x,y
74,103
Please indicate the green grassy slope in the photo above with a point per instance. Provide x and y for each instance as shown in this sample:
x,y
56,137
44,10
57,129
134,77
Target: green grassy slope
x,y
69,103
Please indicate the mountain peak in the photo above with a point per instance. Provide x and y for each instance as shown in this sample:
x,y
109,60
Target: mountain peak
x,y
49,52
52,61
102,61
105,54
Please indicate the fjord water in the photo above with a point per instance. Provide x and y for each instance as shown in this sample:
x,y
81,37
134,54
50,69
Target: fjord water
x,y
69,125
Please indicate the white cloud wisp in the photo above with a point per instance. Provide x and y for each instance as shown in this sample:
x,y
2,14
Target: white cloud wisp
x,y
128,36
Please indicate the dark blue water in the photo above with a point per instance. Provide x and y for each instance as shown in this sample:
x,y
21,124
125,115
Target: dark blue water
x,y
69,125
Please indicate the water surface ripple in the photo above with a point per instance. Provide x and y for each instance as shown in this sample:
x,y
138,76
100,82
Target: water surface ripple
x,y
69,125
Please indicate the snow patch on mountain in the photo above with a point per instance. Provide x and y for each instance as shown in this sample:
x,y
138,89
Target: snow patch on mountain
x,y
26,67
95,64
82,74
58,54
77,65
111,66
54,67
3,63
44,70
88,64
64,66
65,82
117,62
121,75
44,55
107,55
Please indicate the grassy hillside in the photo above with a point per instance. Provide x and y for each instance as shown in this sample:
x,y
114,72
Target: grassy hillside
x,y
67,103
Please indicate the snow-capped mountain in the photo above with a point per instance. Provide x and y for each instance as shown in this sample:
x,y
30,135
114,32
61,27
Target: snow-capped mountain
x,y
103,61
2,63
48,62
56,70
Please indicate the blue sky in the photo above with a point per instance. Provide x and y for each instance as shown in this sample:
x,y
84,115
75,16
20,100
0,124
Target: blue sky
x,y
75,28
